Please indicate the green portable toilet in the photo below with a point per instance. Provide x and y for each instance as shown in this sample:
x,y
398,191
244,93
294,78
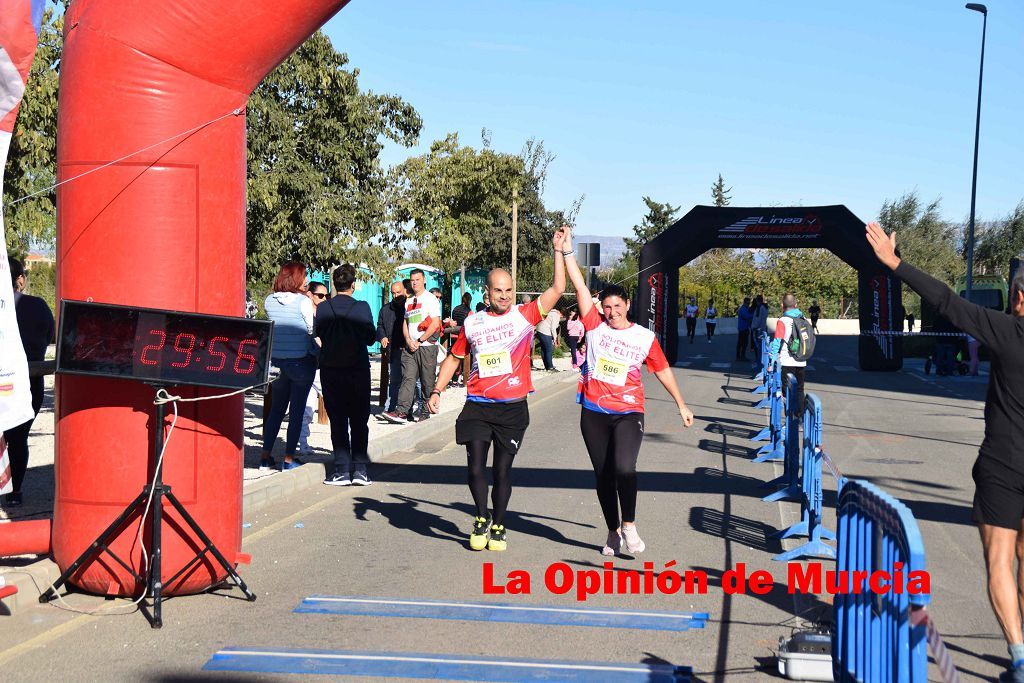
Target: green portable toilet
x,y
476,285
370,290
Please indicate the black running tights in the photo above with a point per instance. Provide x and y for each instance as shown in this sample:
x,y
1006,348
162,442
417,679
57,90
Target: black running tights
x,y
502,473
614,445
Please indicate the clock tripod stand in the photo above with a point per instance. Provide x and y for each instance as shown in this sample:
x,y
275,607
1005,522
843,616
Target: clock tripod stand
x,y
159,492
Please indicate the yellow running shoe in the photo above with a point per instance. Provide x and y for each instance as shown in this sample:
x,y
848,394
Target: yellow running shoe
x,y
478,537
497,541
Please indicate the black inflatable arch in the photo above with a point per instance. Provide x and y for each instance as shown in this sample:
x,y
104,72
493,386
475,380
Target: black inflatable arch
x,y
827,227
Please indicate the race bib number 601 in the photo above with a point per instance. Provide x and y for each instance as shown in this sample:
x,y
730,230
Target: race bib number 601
x,y
610,371
494,364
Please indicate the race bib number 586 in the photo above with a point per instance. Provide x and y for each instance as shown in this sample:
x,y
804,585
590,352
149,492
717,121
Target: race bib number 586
x,y
611,371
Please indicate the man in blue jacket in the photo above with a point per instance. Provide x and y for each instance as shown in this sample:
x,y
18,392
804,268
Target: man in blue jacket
x,y
743,318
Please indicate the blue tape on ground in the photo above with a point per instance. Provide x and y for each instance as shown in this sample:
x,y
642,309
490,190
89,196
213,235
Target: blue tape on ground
x,y
452,667
502,612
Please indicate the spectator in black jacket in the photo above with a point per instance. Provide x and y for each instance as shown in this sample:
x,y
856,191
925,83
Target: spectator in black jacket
x,y
463,310
389,333
345,328
999,470
35,323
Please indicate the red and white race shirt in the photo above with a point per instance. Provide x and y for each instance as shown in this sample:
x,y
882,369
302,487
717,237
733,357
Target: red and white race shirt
x,y
500,347
610,378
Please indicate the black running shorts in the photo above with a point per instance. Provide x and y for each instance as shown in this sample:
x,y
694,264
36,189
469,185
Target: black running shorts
x,y
998,494
501,423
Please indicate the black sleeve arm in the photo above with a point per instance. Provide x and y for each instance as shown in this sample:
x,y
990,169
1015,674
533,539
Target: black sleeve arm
x,y
364,316
382,329
991,328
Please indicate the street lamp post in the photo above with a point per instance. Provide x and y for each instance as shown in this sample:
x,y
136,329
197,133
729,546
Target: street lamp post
x,y
975,7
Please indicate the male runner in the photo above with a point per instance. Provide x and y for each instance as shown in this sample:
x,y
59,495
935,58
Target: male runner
x,y
999,470
499,341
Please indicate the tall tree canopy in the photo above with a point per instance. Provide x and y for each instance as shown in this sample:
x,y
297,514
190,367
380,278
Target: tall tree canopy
x,y
454,204
720,193
449,199
316,188
31,162
658,219
999,241
924,238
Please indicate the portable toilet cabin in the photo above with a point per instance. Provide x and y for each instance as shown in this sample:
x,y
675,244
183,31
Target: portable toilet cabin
x,y
372,291
320,276
476,285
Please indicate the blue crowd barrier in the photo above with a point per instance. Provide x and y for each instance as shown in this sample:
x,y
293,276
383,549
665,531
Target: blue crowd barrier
x,y
762,366
811,496
776,431
789,483
874,638
881,634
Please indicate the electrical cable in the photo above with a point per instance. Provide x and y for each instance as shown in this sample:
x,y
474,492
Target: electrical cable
x,y
162,397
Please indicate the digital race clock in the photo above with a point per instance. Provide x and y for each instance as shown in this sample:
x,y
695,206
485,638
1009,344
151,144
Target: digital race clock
x,y
169,347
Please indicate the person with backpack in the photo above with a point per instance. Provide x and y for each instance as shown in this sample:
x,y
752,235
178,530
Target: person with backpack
x,y
793,345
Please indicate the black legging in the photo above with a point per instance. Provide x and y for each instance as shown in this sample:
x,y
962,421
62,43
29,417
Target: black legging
x,y
17,437
711,325
574,343
613,442
476,452
691,328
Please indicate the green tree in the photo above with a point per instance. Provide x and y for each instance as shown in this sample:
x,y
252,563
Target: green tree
x,y
924,238
1000,241
448,200
31,162
316,187
658,219
719,192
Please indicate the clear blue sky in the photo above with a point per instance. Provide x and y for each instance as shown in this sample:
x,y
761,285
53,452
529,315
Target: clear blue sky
x,y
793,102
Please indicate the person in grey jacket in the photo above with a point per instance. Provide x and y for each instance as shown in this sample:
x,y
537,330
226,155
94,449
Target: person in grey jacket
x,y
345,328
294,354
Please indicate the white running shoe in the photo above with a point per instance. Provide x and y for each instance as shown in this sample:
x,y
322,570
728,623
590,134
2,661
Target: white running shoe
x,y
632,540
613,544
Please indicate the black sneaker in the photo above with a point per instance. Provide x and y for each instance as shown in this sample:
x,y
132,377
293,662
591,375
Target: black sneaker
x,y
13,499
267,464
338,479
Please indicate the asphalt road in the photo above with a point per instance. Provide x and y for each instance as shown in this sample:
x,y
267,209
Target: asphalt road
x,y
405,538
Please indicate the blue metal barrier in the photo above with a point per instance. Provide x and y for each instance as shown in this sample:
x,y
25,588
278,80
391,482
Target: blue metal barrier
x,y
810,492
776,429
874,639
762,361
789,483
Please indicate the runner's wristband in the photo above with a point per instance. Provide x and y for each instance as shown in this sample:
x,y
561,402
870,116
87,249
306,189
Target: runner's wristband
x,y
435,391
568,253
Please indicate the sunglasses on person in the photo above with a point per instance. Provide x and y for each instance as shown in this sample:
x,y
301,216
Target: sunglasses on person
x,y
319,295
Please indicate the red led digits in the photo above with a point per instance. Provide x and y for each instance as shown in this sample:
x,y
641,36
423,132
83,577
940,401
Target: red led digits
x,y
213,352
191,341
246,356
154,347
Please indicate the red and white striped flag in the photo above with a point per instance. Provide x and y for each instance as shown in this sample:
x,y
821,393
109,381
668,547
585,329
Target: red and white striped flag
x,y
19,32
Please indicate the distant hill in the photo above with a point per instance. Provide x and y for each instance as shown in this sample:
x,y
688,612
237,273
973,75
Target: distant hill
x,y
612,248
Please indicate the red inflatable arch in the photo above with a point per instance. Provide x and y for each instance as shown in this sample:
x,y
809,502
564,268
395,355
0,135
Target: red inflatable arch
x,y
164,228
